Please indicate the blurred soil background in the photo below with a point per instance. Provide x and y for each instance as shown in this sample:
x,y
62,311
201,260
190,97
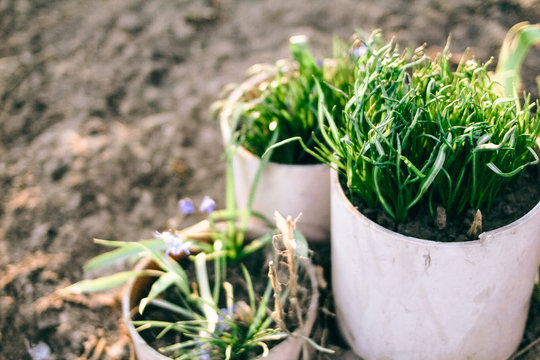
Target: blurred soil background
x,y
104,125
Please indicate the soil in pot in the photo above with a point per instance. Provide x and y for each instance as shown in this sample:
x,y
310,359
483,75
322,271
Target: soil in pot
x,y
515,200
257,265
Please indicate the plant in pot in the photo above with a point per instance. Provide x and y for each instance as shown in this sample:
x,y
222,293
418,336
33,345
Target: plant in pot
x,y
277,102
204,292
423,140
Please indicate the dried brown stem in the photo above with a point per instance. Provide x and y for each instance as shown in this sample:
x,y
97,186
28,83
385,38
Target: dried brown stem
x,y
278,310
476,226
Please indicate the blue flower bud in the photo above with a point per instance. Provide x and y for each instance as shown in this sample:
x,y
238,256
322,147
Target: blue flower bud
x,y
207,205
186,206
175,243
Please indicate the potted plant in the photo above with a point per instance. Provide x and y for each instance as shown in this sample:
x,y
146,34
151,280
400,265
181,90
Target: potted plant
x,y
423,139
196,295
277,102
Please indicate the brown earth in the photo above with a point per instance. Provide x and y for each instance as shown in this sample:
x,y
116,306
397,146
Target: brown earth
x,y
516,199
104,125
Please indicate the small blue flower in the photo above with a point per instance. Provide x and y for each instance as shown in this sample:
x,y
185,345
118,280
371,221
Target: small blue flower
x,y
207,205
319,63
175,243
222,326
186,206
203,352
359,51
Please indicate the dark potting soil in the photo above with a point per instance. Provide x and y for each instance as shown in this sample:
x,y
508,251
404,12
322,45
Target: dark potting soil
x,y
257,266
517,198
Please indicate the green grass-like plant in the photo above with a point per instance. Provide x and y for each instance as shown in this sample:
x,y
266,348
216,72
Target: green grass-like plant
x,y
417,130
286,101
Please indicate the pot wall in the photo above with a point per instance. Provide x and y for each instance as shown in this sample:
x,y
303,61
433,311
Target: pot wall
x,y
289,189
399,297
135,290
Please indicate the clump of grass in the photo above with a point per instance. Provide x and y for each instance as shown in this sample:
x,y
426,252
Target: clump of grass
x,y
416,130
286,101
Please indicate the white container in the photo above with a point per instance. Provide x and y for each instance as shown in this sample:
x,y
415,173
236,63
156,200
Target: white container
x,y
134,291
289,189
399,297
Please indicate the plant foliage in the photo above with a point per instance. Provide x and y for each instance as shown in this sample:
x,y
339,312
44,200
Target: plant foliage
x,y
209,320
285,102
417,130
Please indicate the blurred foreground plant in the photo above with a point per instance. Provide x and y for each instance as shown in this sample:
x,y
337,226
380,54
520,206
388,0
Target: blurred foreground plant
x,y
211,320
516,44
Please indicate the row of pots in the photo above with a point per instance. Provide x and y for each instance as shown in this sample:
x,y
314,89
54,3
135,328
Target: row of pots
x,y
396,296
400,297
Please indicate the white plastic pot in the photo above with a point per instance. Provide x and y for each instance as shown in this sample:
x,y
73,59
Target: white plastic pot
x,y
288,349
399,297
289,189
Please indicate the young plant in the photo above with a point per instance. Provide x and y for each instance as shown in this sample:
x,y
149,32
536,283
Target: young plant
x,y
416,130
209,320
208,317
241,329
285,101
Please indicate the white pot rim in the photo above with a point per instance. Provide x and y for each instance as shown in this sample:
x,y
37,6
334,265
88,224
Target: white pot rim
x,y
483,237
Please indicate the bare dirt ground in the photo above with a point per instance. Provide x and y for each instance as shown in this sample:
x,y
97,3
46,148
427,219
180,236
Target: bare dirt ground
x,y
104,125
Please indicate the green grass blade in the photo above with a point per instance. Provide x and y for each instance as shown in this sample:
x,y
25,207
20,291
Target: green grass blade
x,y
125,251
159,286
108,282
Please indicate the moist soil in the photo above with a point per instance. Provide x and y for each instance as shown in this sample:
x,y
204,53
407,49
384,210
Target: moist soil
x,y
515,199
105,125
